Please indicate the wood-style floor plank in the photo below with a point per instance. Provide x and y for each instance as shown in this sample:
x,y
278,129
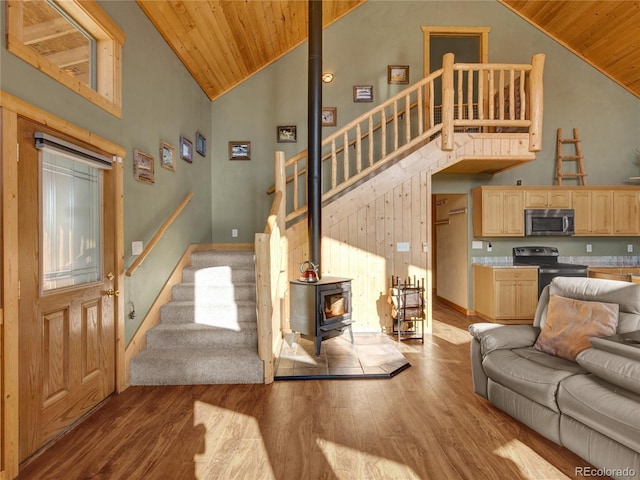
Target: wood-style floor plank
x,y
424,423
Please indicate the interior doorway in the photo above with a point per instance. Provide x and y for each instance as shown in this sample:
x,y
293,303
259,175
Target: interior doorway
x,y
451,235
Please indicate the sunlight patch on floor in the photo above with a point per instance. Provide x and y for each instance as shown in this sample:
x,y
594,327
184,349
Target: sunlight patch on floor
x,y
232,444
343,460
451,334
531,465
215,298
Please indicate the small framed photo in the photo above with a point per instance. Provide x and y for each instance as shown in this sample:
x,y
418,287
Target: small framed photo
x,y
363,93
201,144
143,166
186,149
329,116
398,74
287,134
239,150
167,156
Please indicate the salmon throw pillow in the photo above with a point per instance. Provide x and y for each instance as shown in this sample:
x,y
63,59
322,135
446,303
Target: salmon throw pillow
x,y
571,323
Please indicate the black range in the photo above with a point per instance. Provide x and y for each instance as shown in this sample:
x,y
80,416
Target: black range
x,y
546,259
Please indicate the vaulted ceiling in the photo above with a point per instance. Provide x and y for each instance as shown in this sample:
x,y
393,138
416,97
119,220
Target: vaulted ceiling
x,y
223,42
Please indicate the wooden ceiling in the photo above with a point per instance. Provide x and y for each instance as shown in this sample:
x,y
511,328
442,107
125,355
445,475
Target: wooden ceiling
x,y
604,33
223,42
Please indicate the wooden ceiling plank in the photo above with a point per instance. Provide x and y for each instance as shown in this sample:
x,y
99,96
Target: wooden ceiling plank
x,y
240,17
176,35
40,32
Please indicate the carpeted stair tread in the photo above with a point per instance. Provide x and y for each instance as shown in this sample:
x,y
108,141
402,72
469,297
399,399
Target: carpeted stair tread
x,y
208,332
191,366
222,293
197,336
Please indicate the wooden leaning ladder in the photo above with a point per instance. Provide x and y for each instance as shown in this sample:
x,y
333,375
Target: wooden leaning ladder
x,y
580,173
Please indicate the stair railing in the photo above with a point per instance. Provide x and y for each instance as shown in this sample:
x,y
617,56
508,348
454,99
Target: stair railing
x,y
271,276
482,97
156,238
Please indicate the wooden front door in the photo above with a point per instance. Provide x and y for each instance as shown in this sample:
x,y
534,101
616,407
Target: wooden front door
x,y
66,300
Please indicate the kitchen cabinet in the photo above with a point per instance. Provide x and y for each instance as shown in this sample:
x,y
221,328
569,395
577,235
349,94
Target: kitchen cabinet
x,y
547,199
626,212
505,294
593,211
498,213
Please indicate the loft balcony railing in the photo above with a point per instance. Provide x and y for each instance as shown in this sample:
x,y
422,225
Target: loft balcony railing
x,y
463,97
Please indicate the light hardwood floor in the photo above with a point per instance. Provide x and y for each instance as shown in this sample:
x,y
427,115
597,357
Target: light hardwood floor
x,y
425,423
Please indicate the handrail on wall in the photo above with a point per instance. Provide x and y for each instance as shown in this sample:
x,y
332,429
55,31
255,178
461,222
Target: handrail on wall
x,y
156,238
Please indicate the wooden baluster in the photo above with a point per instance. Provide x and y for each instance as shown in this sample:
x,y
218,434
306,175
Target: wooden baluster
x,y
420,109
358,150
395,125
501,94
370,140
432,109
295,186
460,99
334,164
345,156
512,94
523,97
383,136
492,94
481,80
470,115
407,117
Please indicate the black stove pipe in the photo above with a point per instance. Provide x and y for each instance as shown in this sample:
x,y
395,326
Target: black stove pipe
x,y
314,163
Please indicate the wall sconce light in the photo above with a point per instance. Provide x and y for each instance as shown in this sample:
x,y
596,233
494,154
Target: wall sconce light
x,y
327,77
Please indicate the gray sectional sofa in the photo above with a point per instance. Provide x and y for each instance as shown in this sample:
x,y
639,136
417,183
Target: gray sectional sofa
x,y
591,404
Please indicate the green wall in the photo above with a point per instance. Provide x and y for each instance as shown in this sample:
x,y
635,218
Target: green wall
x,y
160,101
358,49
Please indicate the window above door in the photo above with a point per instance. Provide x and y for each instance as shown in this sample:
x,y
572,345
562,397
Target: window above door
x,y
74,42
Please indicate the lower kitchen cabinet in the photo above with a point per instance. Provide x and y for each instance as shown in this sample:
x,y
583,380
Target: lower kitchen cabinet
x,y
505,294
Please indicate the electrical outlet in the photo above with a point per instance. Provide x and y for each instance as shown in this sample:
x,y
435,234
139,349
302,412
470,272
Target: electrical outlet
x,y
489,247
629,247
425,247
589,248
234,232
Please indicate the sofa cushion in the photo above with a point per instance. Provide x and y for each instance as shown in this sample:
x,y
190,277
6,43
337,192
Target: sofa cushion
x,y
494,336
530,373
621,371
570,323
602,407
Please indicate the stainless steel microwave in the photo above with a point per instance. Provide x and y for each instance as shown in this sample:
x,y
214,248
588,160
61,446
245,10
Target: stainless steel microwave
x,y
549,221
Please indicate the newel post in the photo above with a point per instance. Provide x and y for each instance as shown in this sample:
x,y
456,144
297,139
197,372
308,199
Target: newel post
x,y
536,100
447,102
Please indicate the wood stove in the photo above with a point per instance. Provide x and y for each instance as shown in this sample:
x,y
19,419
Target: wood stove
x,y
321,310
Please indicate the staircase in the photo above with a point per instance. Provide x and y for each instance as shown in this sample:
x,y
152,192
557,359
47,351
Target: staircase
x,y
208,332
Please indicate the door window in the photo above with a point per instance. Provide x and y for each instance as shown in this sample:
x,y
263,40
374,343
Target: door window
x,y
71,200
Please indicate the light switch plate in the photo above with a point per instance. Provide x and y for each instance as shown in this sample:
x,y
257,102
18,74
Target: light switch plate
x,y
136,248
476,244
402,246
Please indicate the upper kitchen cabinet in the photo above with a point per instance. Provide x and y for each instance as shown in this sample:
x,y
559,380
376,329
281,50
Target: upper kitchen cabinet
x,y
593,211
498,212
626,212
547,199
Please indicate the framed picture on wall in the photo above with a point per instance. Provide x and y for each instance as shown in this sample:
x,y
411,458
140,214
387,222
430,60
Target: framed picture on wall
x,y
186,149
363,93
287,134
201,144
329,116
143,168
167,156
398,74
239,150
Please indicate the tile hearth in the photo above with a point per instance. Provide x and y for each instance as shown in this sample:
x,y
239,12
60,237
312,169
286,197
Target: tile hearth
x,y
373,355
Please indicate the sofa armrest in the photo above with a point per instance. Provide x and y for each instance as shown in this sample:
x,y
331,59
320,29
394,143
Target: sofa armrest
x,y
500,337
